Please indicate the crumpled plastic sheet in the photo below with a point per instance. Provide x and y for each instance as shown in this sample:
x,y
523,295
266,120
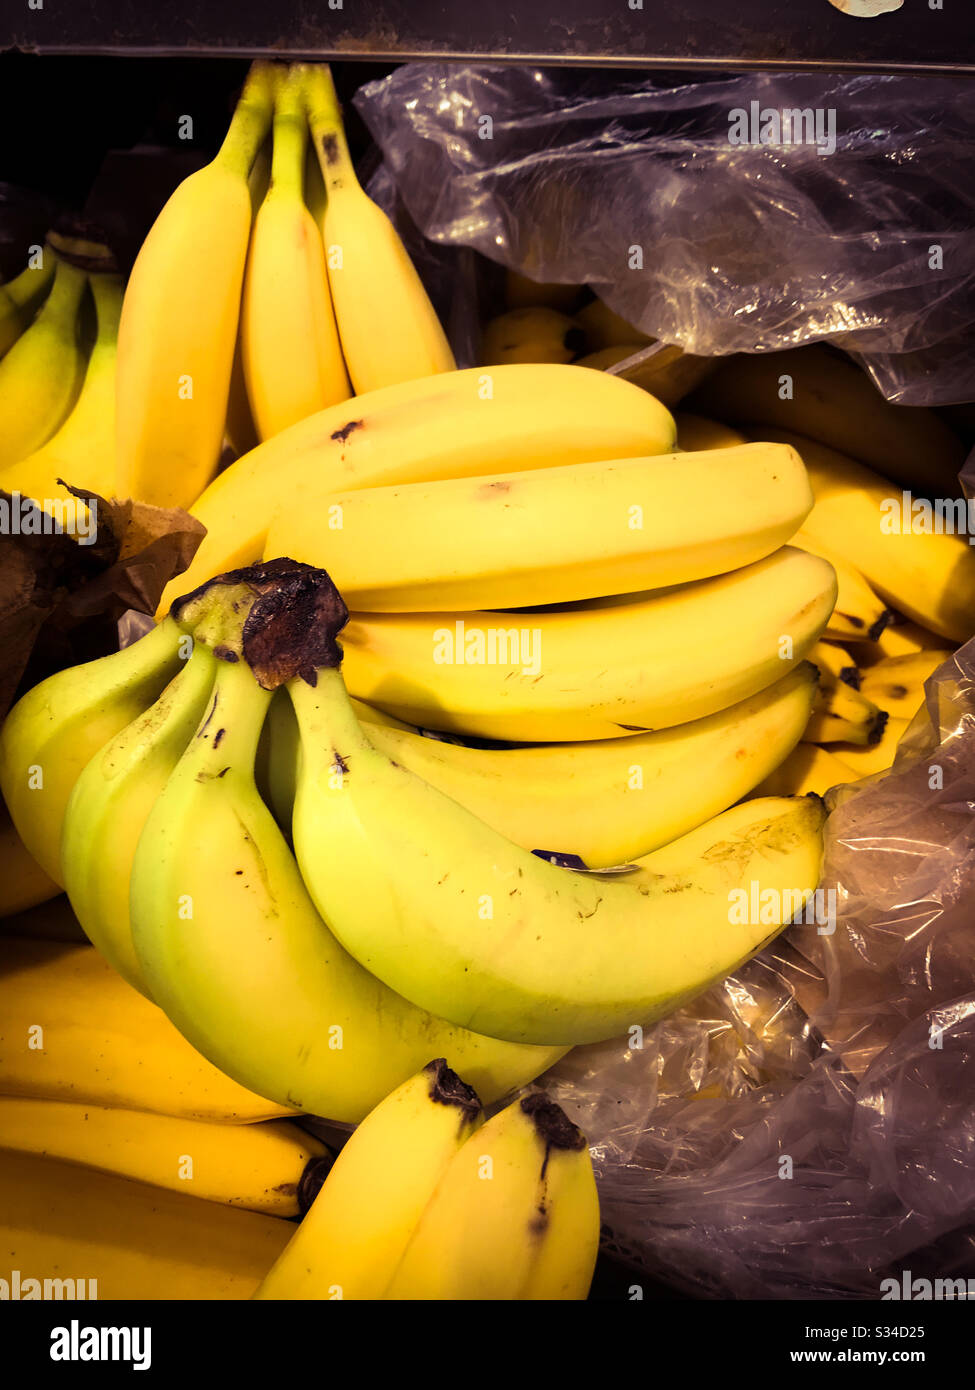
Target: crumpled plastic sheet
x,y
745,248
807,1128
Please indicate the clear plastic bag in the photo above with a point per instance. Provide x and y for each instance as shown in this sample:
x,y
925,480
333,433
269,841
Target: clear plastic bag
x,y
807,1128
743,248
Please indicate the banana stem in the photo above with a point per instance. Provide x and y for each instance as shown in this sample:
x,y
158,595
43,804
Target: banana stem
x,y
107,293
62,303
330,729
26,288
327,129
290,134
251,120
227,739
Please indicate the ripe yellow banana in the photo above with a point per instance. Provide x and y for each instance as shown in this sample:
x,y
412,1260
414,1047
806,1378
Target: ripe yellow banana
x,y
232,948
259,1167
458,424
125,1240
179,319
389,329
71,1029
859,614
897,684
606,802
695,432
898,638
874,757
23,883
479,930
842,714
359,1225
931,578
20,297
41,375
290,349
555,535
57,728
531,335
835,665
836,404
82,451
602,671
604,328
110,803
516,1215
808,768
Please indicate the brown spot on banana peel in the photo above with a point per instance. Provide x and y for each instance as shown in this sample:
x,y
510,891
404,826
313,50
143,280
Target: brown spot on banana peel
x,y
330,149
342,435
446,1088
553,1127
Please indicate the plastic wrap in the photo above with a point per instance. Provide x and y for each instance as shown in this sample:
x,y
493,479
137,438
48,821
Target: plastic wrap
x,y
744,248
807,1128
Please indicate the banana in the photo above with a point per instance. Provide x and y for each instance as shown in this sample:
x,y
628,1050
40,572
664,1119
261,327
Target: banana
x,y
897,684
842,714
359,1225
52,920
516,1215
614,668
556,535
521,292
41,375
897,638
110,804
389,329
59,725
809,768
606,802
232,948
72,1030
859,613
604,329
20,297
835,665
531,335
929,577
482,931
290,349
240,432
23,883
179,319
259,1167
836,404
82,451
457,424
874,757
694,432
89,1235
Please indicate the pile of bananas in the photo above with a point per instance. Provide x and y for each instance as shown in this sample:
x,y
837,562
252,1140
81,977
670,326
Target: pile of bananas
x,y
543,783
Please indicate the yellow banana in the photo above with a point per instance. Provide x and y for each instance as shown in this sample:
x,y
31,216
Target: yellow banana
x,y
531,335
859,614
603,328
458,424
20,297
808,768
41,374
58,726
556,535
68,1232
835,665
842,715
110,803
291,356
23,883
874,757
389,329
259,1167
516,1215
71,1029
232,948
897,638
359,1225
480,930
897,684
929,577
611,669
695,432
606,802
82,451
179,319
830,400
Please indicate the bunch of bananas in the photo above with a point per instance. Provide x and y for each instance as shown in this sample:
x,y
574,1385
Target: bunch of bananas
x,y
269,288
